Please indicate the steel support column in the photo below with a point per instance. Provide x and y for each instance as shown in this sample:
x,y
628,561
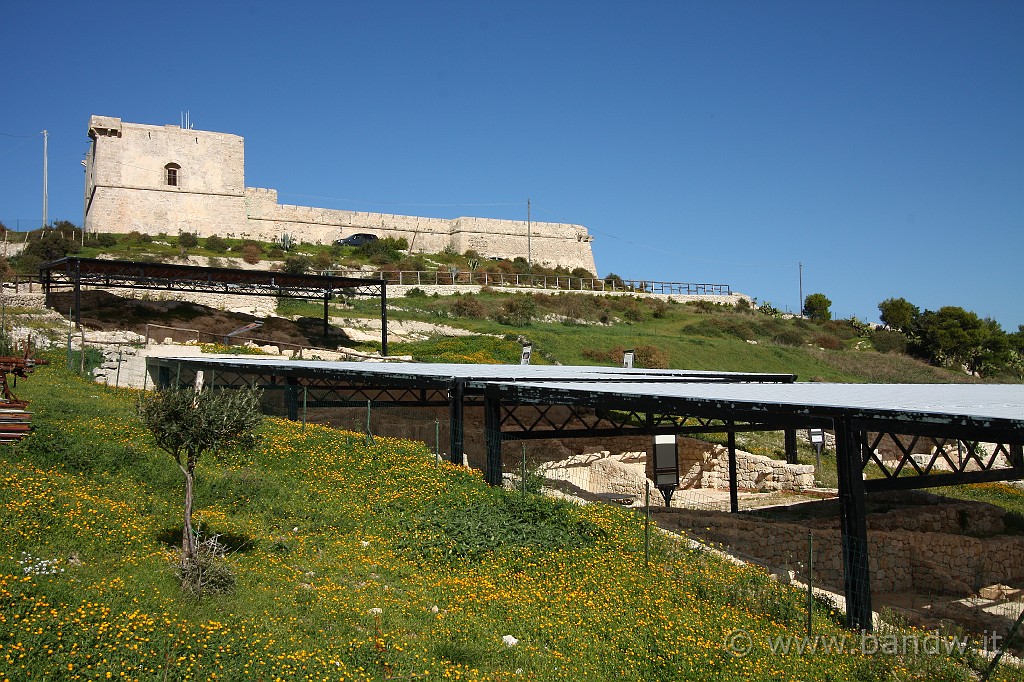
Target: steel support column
x,y
734,498
853,526
327,300
383,319
492,435
291,398
791,451
455,421
78,296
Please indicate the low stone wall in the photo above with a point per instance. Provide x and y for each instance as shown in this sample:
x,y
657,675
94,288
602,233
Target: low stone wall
x,y
705,465
899,559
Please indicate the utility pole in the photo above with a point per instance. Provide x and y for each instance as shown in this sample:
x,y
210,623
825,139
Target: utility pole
x,y
529,237
45,197
801,289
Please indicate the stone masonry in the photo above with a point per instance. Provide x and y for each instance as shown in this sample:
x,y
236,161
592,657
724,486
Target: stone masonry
x,y
166,179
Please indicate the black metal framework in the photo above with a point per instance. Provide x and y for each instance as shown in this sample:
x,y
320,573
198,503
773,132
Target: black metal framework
x,y
518,409
115,274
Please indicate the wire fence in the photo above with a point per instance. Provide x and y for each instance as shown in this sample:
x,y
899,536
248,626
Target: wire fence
x,y
454,276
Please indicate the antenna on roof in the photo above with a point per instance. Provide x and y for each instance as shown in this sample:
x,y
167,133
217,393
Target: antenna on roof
x,y
186,120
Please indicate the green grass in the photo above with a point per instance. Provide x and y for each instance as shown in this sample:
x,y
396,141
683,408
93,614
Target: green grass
x,y
719,339
326,530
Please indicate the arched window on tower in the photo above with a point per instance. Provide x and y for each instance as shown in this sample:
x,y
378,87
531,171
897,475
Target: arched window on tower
x,y
172,174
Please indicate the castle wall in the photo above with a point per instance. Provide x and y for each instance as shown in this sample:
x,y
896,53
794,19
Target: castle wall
x,y
127,189
553,244
126,179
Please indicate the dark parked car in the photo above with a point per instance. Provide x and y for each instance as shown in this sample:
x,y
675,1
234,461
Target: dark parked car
x,y
357,239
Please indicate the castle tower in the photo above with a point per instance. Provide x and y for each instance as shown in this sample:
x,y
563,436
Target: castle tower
x,y
154,179
166,179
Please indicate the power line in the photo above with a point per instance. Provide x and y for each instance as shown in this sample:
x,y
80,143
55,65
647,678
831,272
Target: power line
x,y
26,136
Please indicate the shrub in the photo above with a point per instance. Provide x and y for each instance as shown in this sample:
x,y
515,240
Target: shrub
x,y
297,265
251,254
381,251
323,260
208,571
415,292
188,240
789,337
889,341
633,313
136,237
216,244
582,273
828,342
105,240
469,306
650,357
518,311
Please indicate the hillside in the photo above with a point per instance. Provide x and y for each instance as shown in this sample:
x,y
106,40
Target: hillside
x,y
564,327
358,560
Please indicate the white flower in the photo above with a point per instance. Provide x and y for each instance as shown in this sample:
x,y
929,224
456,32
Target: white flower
x,y
364,543
434,609
376,612
510,641
295,529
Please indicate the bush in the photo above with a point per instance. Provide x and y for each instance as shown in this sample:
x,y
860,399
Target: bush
x,y
216,244
518,311
136,237
828,342
469,306
415,292
251,253
297,265
208,572
582,273
382,251
789,337
323,260
188,240
889,341
633,313
105,240
650,357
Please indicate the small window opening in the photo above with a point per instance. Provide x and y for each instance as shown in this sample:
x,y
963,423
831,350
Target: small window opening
x,y
172,174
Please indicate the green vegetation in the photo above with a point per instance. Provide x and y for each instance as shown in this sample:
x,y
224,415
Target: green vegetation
x,y
357,560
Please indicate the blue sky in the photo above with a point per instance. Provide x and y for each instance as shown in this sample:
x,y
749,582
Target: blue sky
x,y
881,144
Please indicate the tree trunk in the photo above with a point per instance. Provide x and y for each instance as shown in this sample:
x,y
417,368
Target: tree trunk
x,y
188,541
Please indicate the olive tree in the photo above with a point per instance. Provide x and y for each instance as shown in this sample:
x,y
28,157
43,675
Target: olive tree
x,y
188,423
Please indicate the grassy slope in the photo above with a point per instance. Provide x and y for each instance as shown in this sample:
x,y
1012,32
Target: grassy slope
x,y
327,528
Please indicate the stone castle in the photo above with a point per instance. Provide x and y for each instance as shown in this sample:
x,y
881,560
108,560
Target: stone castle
x,y
167,179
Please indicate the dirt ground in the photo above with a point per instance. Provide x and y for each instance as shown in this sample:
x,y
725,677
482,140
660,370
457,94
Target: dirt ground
x,y
103,311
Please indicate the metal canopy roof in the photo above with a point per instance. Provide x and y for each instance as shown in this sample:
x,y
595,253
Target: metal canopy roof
x,y
476,375
981,404
120,273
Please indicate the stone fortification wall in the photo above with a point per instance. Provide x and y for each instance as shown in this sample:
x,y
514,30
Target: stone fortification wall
x,y
127,186
552,244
